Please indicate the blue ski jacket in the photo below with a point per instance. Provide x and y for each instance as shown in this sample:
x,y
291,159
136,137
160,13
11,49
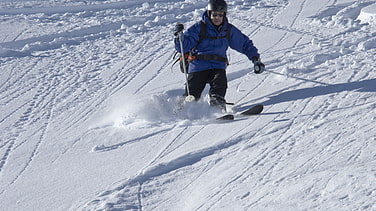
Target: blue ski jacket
x,y
237,41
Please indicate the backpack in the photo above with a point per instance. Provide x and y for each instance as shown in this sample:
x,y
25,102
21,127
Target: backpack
x,y
190,55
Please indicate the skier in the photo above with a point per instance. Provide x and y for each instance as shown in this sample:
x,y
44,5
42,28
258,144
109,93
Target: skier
x,y
208,54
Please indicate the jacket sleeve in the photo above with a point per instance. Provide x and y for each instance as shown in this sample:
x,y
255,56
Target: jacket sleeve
x,y
241,43
189,38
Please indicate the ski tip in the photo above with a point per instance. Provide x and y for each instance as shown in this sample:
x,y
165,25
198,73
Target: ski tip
x,y
226,117
260,106
257,109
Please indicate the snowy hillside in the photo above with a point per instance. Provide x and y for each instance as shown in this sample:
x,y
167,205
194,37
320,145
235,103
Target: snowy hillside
x,y
89,115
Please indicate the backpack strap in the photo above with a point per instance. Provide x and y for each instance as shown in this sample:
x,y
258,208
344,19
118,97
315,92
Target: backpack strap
x,y
202,34
212,57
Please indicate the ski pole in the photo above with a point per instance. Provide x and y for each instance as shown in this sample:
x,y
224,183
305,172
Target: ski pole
x,y
295,77
189,97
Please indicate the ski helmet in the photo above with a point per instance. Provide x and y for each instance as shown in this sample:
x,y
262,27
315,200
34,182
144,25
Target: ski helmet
x,y
217,6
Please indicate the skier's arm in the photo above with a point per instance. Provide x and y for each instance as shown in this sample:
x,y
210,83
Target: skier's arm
x,y
241,43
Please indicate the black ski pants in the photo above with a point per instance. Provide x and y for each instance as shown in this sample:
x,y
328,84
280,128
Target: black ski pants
x,y
217,80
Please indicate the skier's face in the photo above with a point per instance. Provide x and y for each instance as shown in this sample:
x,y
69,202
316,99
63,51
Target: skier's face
x,y
217,17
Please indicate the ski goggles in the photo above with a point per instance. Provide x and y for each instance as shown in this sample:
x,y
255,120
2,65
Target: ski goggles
x,y
217,15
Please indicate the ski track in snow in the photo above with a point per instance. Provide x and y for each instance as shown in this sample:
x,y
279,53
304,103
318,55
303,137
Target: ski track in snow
x,y
59,74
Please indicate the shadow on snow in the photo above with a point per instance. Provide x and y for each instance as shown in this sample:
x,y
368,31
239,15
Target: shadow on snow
x,y
298,94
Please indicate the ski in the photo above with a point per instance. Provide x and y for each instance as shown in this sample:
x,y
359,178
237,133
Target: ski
x,y
226,117
254,110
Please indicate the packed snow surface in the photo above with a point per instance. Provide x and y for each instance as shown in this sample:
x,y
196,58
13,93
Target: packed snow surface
x,y
91,117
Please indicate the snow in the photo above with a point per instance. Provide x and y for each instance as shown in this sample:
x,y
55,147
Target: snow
x,y
91,118
368,14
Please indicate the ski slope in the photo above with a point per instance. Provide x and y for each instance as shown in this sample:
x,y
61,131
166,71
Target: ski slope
x,y
90,116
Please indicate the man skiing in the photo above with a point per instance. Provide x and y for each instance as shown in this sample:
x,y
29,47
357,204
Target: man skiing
x,y
208,60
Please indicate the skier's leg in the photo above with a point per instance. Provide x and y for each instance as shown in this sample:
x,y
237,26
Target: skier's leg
x,y
197,82
218,87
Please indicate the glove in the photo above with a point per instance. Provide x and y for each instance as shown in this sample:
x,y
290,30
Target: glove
x,y
259,67
178,28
